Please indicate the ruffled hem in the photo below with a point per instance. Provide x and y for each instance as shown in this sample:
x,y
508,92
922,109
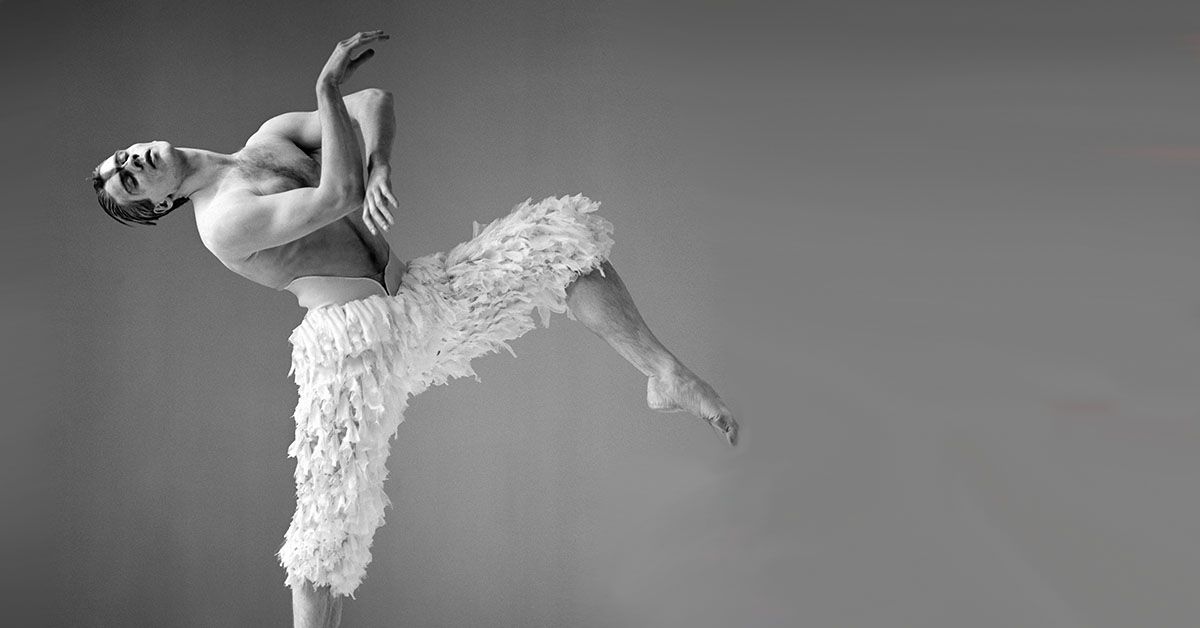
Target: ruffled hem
x,y
356,365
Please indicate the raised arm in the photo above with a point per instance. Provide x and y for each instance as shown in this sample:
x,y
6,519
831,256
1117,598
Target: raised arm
x,y
372,112
341,161
250,223
377,120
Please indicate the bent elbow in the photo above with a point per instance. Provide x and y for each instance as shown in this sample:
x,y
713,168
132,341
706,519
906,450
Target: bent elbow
x,y
337,201
382,99
376,94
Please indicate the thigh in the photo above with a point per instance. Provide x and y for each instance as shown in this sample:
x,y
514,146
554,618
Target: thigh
x,y
518,263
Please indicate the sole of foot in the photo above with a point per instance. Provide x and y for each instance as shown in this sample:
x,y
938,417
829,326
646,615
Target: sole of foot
x,y
687,393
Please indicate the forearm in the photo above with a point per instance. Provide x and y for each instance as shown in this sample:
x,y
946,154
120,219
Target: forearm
x,y
373,110
341,161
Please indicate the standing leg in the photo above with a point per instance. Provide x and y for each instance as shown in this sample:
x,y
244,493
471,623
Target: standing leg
x,y
315,607
603,305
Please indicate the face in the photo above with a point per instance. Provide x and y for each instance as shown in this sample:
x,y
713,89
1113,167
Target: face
x,y
148,171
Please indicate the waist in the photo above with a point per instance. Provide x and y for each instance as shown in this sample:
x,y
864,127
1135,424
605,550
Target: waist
x,y
316,291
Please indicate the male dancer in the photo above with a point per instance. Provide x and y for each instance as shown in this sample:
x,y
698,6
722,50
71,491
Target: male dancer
x,y
284,212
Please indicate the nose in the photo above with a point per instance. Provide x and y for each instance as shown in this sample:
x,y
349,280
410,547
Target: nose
x,y
136,160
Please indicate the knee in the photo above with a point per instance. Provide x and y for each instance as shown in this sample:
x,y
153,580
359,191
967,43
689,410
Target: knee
x,y
585,286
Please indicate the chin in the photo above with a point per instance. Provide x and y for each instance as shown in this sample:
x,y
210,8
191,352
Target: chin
x,y
165,151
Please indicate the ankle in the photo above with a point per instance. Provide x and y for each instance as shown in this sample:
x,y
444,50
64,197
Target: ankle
x,y
669,369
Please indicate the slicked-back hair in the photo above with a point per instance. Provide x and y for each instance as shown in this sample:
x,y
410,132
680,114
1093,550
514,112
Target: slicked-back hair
x,y
140,212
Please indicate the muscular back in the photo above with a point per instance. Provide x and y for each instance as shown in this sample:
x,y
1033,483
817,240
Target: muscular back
x,y
344,248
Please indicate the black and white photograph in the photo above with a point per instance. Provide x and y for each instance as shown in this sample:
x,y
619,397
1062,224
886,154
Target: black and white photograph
x,y
634,314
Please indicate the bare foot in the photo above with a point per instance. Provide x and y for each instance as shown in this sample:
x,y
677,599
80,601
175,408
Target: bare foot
x,y
682,391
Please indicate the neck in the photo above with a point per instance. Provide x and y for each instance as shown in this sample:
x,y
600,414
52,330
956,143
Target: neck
x,y
204,169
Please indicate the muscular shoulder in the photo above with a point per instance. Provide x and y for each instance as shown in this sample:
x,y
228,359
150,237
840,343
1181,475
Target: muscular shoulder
x,y
300,128
303,128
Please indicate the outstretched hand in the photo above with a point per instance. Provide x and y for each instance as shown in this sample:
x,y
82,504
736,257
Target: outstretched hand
x,y
347,56
376,200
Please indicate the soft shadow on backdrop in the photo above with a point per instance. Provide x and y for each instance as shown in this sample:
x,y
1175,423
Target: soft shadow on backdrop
x,y
939,256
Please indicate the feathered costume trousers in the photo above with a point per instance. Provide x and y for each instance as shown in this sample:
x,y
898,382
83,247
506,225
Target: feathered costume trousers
x,y
356,365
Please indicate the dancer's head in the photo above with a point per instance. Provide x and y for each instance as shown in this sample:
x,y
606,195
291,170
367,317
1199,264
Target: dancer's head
x,y
141,183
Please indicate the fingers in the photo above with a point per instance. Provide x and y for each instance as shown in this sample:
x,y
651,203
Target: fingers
x,y
354,63
370,217
382,214
385,212
353,52
376,215
363,38
366,218
383,197
348,55
387,193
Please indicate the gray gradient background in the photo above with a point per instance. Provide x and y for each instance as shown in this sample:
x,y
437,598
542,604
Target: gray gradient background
x,y
939,256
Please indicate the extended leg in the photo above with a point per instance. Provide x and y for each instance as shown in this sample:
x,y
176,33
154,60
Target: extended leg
x,y
603,305
315,607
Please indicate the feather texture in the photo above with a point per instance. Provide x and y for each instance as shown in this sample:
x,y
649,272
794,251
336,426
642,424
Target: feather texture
x,y
356,365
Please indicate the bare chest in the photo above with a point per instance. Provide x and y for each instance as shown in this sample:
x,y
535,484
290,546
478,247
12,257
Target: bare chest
x,y
342,248
274,168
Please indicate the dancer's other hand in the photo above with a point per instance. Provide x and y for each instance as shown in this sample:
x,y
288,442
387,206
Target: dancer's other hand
x,y
347,56
377,199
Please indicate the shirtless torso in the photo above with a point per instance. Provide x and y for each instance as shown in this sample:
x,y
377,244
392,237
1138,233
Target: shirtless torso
x,y
344,248
293,210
